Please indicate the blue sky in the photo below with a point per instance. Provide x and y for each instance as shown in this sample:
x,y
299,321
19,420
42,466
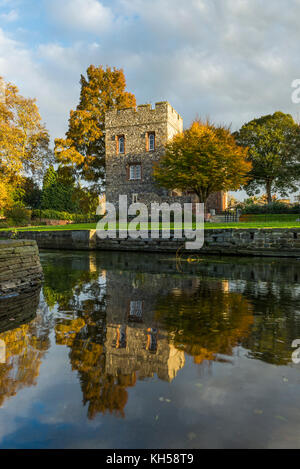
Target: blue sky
x,y
231,60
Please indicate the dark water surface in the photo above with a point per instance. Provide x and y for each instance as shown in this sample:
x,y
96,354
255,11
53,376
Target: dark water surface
x,y
125,350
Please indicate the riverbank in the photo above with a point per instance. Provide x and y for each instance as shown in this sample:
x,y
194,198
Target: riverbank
x,y
276,242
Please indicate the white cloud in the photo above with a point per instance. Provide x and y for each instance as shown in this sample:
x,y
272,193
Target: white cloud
x,y
9,17
83,15
227,59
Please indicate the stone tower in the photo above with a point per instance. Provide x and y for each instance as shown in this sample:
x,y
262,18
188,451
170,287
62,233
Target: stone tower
x,y
134,140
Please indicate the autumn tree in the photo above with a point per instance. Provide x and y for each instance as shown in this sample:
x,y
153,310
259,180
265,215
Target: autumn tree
x,y
274,151
203,159
24,139
83,149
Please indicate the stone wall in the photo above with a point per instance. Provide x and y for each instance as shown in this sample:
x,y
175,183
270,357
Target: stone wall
x,y
278,242
64,239
20,267
253,242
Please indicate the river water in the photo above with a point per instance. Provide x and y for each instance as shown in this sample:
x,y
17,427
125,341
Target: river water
x,y
124,350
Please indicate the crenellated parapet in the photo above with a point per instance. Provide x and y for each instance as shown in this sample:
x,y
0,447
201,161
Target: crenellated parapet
x,y
144,113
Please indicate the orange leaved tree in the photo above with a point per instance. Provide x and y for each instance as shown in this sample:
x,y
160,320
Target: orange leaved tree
x,y
203,159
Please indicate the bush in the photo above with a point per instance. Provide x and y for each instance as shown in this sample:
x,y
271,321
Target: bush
x,y
18,216
56,215
4,225
274,207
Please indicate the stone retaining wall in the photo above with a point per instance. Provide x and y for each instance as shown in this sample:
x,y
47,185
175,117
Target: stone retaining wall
x,y
61,239
278,242
20,267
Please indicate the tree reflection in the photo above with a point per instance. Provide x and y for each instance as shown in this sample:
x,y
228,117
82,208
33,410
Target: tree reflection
x,y
123,323
26,342
206,321
277,321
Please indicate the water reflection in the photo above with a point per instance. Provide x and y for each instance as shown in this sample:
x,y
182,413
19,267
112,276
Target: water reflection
x,y
26,339
124,319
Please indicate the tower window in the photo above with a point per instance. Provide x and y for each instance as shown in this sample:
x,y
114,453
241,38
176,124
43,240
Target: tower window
x,y
135,171
135,312
121,144
151,141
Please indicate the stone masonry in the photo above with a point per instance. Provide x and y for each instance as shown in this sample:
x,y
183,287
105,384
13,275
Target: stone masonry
x,y
277,242
20,267
135,126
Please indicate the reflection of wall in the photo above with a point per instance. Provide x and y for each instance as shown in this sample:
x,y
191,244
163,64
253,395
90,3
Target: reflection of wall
x,y
134,342
165,360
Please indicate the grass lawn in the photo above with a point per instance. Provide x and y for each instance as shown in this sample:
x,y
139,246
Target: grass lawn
x,y
257,221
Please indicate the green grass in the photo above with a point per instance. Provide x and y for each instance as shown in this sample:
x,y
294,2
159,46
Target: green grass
x,y
77,226
288,221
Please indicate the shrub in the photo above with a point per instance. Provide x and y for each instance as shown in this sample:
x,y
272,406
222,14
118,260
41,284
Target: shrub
x,y
18,216
56,215
274,207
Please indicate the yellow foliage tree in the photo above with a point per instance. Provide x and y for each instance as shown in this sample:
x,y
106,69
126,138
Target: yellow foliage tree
x,y
24,140
203,159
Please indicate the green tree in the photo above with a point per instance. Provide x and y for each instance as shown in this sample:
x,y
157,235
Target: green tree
x,y
273,143
27,193
203,159
83,149
57,192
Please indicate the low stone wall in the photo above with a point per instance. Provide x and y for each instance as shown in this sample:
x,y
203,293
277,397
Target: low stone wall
x,y
254,242
20,268
278,242
61,239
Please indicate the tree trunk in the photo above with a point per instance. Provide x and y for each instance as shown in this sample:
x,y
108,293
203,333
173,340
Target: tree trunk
x,y
269,191
202,200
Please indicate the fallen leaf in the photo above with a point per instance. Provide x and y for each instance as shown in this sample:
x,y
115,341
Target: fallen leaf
x,y
279,417
199,385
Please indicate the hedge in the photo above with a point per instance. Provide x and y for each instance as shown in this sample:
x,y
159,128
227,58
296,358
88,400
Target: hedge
x,y
275,207
56,215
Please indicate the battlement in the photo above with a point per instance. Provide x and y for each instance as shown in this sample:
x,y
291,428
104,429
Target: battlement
x,y
143,113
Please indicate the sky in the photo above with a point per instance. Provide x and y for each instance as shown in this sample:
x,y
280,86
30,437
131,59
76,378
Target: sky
x,y
229,60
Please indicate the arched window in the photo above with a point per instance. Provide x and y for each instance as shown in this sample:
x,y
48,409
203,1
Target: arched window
x,y
121,144
151,141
